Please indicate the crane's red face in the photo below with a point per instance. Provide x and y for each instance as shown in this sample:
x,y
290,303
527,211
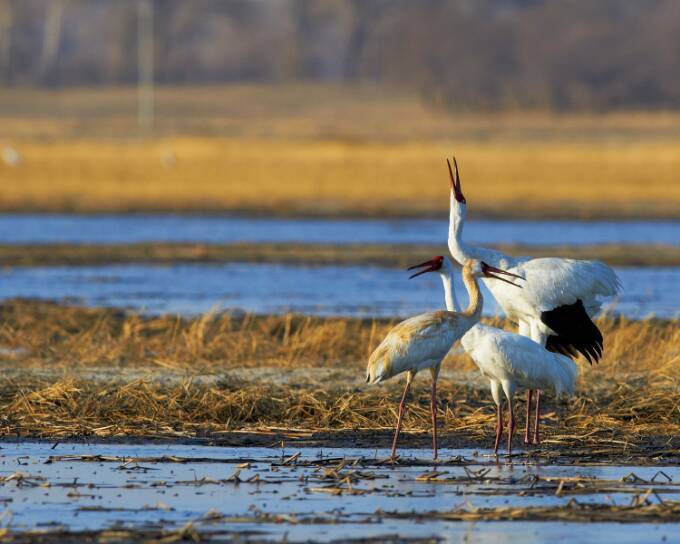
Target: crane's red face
x,y
491,272
455,181
433,265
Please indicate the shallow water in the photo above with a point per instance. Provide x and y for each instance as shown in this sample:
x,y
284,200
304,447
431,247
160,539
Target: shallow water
x,y
268,288
296,498
118,229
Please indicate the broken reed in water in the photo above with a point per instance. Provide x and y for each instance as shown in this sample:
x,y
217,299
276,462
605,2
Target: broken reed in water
x,y
92,372
221,527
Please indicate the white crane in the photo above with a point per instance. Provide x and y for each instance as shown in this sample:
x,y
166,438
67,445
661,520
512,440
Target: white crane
x,y
560,297
424,340
508,360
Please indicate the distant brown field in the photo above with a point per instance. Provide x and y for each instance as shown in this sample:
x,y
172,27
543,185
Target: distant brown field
x,y
329,151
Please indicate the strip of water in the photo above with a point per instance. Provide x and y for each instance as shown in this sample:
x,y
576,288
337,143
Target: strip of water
x,y
126,229
191,289
316,494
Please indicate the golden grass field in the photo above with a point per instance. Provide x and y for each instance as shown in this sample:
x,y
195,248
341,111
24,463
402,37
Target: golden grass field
x,y
318,150
101,373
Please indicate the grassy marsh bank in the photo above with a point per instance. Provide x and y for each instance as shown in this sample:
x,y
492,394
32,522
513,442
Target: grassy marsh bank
x,y
628,405
387,255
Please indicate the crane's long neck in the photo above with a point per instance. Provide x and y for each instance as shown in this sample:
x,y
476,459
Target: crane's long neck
x,y
449,293
463,252
458,248
474,308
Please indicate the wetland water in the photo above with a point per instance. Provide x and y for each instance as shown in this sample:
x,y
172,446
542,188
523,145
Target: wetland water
x,y
270,288
321,494
126,229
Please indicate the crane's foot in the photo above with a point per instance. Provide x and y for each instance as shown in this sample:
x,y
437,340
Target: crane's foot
x,y
391,460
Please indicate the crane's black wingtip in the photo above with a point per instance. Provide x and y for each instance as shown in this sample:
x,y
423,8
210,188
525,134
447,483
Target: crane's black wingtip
x,y
574,331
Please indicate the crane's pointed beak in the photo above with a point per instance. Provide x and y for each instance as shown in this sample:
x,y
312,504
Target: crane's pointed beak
x,y
455,181
491,272
430,266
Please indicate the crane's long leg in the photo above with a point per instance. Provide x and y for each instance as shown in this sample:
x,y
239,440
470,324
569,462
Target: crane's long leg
x,y
402,408
541,338
511,425
530,329
499,425
537,438
527,439
433,408
498,399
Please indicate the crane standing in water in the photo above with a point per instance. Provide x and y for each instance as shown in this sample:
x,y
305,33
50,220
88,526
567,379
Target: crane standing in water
x,y
424,340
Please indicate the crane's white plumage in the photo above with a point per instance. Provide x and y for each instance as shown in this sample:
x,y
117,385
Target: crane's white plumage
x,y
424,340
417,343
517,362
560,296
559,300
508,360
551,282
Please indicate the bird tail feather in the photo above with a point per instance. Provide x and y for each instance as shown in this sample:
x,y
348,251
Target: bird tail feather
x,y
564,374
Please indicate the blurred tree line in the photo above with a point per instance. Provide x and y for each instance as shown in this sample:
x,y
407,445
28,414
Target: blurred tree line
x,y
566,54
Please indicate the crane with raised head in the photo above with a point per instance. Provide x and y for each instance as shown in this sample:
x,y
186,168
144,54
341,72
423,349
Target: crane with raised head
x,y
423,341
510,361
560,298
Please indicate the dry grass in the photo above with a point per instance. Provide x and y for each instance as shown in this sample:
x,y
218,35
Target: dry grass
x,y
338,178
388,255
628,403
328,151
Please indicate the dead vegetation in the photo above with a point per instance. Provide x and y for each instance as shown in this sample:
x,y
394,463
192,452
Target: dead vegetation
x,y
325,178
392,255
284,150
215,526
628,405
